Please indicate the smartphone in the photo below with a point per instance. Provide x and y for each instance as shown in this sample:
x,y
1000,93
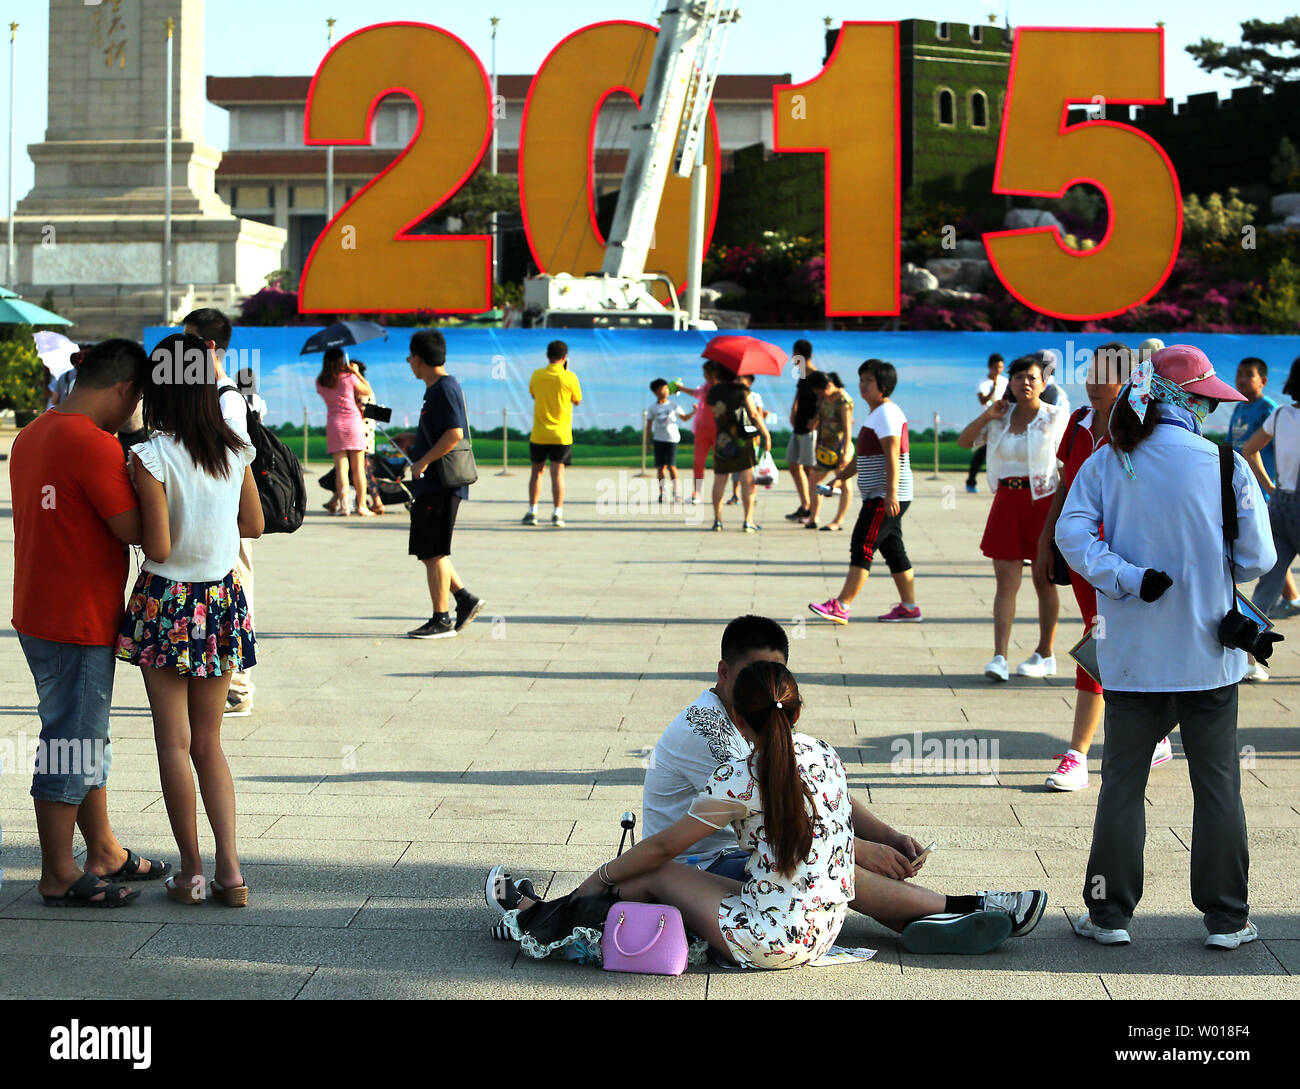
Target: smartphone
x,y
922,856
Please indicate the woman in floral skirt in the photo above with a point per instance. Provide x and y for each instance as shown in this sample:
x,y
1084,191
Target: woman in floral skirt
x,y
187,625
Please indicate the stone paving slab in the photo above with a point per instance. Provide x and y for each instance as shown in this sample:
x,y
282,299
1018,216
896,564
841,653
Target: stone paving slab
x,y
379,777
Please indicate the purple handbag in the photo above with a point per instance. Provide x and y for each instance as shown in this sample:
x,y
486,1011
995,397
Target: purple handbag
x,y
645,938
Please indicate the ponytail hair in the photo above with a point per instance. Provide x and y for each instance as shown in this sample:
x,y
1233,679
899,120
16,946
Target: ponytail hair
x,y
766,698
1126,430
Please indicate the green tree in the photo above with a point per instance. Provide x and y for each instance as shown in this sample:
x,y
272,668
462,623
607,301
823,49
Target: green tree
x,y
479,197
1262,58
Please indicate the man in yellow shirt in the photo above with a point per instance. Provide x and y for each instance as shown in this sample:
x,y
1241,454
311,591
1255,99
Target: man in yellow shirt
x,y
555,391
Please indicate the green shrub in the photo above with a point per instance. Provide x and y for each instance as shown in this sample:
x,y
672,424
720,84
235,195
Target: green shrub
x,y
22,377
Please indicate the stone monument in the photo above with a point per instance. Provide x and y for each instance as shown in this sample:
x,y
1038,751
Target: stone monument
x,y
90,233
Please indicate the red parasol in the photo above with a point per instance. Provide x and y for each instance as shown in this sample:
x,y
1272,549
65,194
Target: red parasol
x,y
746,355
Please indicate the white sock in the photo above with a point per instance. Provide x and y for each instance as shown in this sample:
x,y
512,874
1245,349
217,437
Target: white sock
x,y
1293,601
559,512
1077,755
532,509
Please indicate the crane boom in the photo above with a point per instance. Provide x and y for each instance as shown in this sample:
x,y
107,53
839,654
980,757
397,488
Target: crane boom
x,y
673,114
666,138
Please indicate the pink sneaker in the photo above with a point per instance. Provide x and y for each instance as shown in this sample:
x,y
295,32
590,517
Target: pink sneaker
x,y
901,614
832,610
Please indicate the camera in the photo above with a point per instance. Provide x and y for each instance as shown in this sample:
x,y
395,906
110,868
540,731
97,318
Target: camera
x,y
382,413
1239,632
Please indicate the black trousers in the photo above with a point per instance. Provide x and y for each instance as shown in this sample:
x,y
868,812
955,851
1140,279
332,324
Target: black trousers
x,y
977,460
1207,723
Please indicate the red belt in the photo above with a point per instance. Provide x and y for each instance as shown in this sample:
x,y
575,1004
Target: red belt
x,y
1014,482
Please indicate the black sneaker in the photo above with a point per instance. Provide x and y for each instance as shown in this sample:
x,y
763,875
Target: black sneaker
x,y
1025,908
502,892
798,516
434,629
468,610
971,934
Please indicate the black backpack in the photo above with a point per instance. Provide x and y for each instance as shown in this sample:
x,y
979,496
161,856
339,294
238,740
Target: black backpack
x,y
279,478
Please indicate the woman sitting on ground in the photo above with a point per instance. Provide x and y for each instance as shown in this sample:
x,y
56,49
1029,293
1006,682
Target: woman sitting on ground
x,y
789,803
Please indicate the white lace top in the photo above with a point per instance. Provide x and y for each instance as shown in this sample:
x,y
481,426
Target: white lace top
x,y
1042,438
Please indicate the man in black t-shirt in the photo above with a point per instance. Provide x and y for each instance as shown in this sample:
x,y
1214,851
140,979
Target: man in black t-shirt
x,y
443,423
799,454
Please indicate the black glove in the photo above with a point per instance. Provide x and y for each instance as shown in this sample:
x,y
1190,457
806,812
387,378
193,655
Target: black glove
x,y
1154,583
1264,645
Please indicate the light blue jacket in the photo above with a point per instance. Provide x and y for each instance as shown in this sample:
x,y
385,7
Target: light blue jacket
x,y
1168,518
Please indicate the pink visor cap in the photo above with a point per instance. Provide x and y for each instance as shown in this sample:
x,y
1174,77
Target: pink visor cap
x,y
1191,369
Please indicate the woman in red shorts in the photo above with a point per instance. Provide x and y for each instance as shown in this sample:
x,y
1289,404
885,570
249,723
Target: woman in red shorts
x,y
1021,434
1087,430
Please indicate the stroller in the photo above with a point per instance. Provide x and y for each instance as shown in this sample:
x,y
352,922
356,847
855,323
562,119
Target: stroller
x,y
385,475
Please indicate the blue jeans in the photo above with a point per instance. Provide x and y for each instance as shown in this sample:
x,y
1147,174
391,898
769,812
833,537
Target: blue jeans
x,y
1284,518
74,690
730,864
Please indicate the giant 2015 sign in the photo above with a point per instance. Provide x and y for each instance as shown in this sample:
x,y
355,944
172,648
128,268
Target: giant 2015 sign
x,y
366,259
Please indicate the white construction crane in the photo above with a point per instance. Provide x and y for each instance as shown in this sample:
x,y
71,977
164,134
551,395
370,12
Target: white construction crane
x,y
668,136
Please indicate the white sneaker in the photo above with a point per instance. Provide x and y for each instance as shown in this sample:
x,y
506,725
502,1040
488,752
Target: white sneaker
x,y
996,670
1086,928
1037,666
1070,774
1232,941
1255,673
1162,753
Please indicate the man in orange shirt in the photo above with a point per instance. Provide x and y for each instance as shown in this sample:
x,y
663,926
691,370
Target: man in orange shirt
x,y
74,512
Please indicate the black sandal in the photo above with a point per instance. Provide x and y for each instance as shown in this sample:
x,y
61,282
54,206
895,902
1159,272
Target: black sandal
x,y
130,869
88,886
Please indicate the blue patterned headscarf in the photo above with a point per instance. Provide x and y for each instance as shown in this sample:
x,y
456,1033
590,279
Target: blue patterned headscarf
x,y
1145,387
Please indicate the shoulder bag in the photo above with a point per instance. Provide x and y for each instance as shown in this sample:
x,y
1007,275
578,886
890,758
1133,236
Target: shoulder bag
x,y
457,468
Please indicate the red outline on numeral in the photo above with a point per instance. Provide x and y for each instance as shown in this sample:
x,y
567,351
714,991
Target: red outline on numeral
x,y
898,162
368,140
1110,208
591,146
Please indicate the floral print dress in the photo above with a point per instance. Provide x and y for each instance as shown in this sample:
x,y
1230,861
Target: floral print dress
x,y
785,920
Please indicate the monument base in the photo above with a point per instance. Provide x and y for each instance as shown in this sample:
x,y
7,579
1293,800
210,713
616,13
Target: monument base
x,y
105,273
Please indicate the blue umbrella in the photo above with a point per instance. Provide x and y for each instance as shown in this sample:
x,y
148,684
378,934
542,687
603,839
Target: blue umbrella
x,y
343,334
15,311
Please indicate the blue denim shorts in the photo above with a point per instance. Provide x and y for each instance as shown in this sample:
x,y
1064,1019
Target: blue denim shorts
x,y
730,864
74,690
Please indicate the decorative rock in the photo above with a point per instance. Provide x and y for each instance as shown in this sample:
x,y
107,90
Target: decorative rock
x,y
1030,217
725,287
1286,205
959,271
971,248
915,281
952,297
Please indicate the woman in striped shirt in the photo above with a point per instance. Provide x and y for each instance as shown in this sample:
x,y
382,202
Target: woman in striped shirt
x,y
884,471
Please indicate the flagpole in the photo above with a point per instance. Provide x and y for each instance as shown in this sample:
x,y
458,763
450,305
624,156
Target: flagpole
x,y
9,253
329,151
167,191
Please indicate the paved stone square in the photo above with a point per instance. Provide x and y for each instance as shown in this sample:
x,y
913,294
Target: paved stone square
x,y
379,776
